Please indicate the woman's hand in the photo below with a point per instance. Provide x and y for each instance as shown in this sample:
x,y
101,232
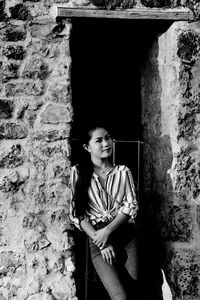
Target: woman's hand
x,y
108,254
101,237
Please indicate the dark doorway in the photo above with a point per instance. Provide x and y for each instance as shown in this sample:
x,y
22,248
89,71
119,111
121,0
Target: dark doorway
x,y
107,59
107,55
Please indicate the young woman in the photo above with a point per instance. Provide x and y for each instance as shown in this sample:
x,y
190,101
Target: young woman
x,y
104,205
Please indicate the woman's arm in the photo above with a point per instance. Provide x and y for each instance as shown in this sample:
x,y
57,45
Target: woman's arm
x,y
88,228
101,236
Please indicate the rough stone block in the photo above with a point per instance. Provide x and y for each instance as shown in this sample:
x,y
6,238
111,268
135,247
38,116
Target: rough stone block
x,y
55,114
60,219
12,130
159,3
13,33
41,28
6,109
185,273
182,225
58,168
51,135
189,112
10,181
35,68
8,71
188,181
9,262
59,92
56,193
188,46
62,286
42,296
36,192
29,88
14,52
52,155
34,242
34,221
11,157
20,12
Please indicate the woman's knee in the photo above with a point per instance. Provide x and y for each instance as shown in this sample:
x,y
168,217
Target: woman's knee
x,y
119,296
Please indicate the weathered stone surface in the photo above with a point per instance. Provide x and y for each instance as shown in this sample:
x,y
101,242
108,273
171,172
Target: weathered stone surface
x,y
51,135
188,46
6,109
13,33
55,114
188,180
34,221
186,268
56,193
50,152
41,28
20,12
158,3
29,88
59,92
10,262
182,224
189,113
35,241
10,130
8,71
11,157
14,51
58,168
10,181
60,219
35,68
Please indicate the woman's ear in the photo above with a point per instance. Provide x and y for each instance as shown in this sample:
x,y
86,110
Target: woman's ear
x,y
86,147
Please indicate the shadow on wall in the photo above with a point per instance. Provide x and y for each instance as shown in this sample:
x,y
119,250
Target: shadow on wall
x,y
156,218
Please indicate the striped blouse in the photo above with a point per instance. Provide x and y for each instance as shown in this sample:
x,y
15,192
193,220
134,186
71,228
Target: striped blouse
x,y
116,197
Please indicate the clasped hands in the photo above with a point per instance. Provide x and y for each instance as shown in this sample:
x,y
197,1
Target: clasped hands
x,y
101,240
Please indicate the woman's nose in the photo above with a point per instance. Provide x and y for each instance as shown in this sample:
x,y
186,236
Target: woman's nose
x,y
105,142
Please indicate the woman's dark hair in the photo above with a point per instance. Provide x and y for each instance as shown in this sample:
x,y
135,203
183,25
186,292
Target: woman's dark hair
x,y
85,170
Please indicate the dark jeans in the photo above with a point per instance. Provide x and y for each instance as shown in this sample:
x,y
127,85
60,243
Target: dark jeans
x,y
120,278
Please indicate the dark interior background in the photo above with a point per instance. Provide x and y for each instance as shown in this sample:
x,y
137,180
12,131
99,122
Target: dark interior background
x,y
107,55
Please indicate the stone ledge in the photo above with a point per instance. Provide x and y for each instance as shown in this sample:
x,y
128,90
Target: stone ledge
x,y
175,14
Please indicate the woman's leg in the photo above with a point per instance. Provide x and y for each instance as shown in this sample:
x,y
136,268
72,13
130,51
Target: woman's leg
x,y
111,277
131,265
132,258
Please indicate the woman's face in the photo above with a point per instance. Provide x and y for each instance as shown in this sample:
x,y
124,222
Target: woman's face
x,y
100,144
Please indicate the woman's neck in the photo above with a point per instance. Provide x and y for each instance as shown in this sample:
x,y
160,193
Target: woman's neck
x,y
101,164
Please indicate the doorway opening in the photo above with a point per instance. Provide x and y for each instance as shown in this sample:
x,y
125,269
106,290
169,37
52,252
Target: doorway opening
x,y
107,60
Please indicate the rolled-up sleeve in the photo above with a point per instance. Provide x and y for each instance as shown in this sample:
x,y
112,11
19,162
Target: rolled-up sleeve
x,y
74,220
129,205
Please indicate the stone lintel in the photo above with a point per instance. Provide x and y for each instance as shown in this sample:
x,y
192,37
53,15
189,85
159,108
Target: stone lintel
x,y
175,14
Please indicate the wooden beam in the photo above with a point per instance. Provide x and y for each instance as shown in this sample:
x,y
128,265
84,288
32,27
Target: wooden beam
x,y
175,14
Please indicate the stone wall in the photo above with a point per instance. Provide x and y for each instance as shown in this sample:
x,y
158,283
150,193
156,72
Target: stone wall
x,y
171,111
36,257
